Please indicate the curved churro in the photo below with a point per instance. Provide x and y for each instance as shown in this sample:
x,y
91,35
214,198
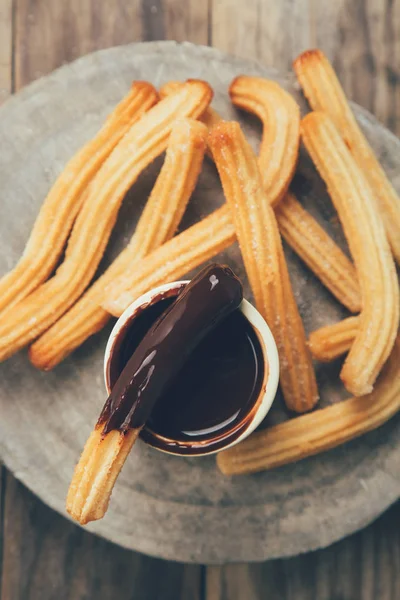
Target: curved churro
x,y
280,116
324,92
172,260
262,252
365,233
63,202
158,223
330,342
318,431
145,140
320,253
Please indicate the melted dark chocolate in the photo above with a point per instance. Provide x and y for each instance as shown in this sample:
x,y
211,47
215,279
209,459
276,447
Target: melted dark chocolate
x,y
206,301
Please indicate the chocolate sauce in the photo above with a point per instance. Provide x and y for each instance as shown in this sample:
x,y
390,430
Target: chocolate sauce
x,y
159,357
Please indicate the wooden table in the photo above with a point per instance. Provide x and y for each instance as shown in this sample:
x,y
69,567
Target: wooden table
x,y
42,555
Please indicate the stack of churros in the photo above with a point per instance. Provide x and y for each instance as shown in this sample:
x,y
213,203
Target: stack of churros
x,y
56,313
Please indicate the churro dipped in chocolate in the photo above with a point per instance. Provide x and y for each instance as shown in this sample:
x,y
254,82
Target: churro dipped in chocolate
x,y
261,247
324,93
65,199
363,227
208,299
157,224
144,141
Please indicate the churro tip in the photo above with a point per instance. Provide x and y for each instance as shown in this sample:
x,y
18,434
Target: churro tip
x,y
312,54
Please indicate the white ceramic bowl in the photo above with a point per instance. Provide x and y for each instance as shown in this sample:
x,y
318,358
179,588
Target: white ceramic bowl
x,y
268,388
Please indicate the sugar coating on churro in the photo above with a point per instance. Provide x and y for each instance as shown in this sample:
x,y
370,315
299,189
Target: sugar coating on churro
x,y
280,116
261,247
366,236
320,253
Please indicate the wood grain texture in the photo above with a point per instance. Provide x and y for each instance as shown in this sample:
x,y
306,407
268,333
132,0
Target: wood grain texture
x,y
362,37
365,566
268,31
47,557
6,32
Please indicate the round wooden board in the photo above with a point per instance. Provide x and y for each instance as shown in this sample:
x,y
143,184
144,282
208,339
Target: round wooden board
x,y
175,508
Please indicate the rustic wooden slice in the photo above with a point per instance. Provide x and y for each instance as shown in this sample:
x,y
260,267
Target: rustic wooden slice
x,y
175,508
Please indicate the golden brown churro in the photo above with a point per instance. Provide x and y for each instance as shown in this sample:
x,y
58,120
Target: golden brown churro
x,y
96,472
320,253
157,224
145,140
324,93
320,430
63,202
365,233
262,252
280,116
172,260
330,342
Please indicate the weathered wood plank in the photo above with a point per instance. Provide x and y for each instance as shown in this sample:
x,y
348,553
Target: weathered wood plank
x,y
49,34
264,30
5,48
47,557
186,21
363,567
362,37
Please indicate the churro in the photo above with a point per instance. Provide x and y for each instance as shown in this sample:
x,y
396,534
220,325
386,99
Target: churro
x,y
64,200
320,253
324,93
145,140
280,116
172,260
365,233
265,264
157,224
320,430
96,472
331,341
210,117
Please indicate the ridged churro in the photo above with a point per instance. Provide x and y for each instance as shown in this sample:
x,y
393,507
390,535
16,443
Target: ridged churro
x,y
64,200
324,93
280,116
172,260
96,472
331,341
265,264
145,140
320,253
363,226
210,117
319,431
158,223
